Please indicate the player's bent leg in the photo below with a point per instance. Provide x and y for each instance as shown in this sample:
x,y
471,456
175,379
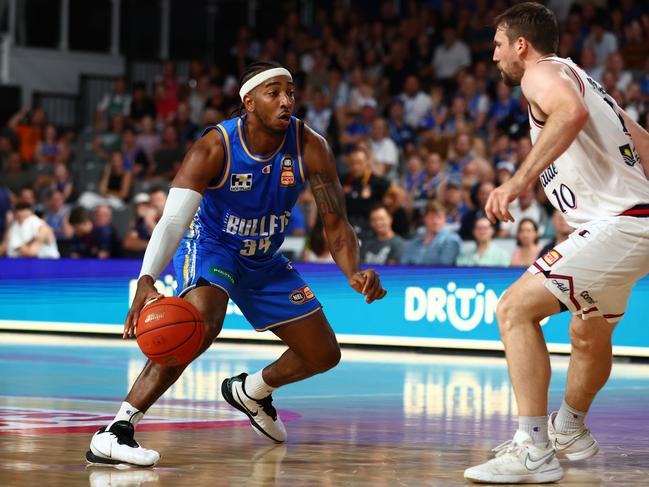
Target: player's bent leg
x,y
312,349
589,369
115,444
529,457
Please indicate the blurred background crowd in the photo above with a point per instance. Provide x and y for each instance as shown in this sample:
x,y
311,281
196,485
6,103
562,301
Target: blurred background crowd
x,y
406,94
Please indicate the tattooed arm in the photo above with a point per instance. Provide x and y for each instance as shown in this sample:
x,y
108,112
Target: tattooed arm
x,y
330,200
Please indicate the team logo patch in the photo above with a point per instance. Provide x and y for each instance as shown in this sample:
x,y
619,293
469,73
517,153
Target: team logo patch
x,y
266,169
627,155
287,176
552,257
302,295
241,182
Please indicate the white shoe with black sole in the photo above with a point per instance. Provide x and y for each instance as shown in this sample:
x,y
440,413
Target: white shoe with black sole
x,y
518,462
263,416
115,446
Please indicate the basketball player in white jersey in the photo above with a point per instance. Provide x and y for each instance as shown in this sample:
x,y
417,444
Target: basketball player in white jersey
x,y
587,153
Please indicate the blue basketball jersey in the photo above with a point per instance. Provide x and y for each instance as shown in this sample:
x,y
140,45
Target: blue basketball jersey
x,y
247,209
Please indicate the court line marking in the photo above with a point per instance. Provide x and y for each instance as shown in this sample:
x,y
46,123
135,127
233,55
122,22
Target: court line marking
x,y
419,342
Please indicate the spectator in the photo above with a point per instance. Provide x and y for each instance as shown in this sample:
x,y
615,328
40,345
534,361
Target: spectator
x,y
527,243
434,244
465,155
601,41
384,246
318,115
400,132
525,207
394,201
435,171
363,189
134,158
148,139
414,177
56,215
485,253
15,176
28,126
503,107
384,151
636,46
479,195
451,55
561,232
116,103
141,105
416,103
451,195
317,249
114,188
359,129
504,172
588,62
615,63
169,155
477,102
50,150
87,240
5,210
198,96
29,236
187,130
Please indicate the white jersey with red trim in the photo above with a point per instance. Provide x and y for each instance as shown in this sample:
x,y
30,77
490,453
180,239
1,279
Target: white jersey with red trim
x,y
600,174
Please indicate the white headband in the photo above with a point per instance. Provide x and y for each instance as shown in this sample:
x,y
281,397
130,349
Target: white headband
x,y
259,78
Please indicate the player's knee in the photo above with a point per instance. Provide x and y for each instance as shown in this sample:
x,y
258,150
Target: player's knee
x,y
327,359
586,341
506,313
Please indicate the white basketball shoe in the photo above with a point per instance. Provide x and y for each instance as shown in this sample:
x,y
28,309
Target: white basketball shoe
x,y
115,445
518,462
578,445
263,416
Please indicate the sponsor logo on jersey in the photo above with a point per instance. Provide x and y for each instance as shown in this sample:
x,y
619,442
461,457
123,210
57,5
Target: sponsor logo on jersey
x,y
223,273
551,257
561,286
628,156
548,175
287,176
241,182
266,226
266,169
153,316
302,295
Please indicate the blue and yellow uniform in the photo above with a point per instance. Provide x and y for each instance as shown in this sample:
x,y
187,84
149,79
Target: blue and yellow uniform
x,y
233,240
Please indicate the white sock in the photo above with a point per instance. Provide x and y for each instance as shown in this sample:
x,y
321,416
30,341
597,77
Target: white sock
x,y
536,427
255,387
129,413
568,419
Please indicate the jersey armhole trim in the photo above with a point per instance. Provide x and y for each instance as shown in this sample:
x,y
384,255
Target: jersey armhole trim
x,y
582,87
298,142
226,146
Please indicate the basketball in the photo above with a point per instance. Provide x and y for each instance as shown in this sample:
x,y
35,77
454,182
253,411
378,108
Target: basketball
x,y
170,331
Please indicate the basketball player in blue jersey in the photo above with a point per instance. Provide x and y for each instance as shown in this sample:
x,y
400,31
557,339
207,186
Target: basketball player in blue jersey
x,y
225,219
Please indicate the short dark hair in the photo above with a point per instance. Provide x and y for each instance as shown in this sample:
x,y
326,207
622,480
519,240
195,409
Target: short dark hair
x,y
22,206
78,215
520,224
534,22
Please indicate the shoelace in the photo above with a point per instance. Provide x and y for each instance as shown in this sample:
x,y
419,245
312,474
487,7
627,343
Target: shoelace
x,y
267,405
124,432
506,447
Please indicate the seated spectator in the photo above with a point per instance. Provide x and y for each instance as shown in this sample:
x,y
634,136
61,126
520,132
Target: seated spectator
x,y
56,215
5,210
451,55
451,195
479,195
561,232
169,155
363,189
186,129
503,107
317,249
359,129
117,102
400,132
435,171
88,240
601,41
318,114
464,154
50,150
29,236
114,188
148,139
384,150
477,102
395,201
384,246
525,206
135,160
15,175
28,126
434,244
485,253
138,235
416,103
141,104
527,243
504,171
414,176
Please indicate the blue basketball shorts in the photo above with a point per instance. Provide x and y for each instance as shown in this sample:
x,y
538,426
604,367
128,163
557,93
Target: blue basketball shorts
x,y
270,294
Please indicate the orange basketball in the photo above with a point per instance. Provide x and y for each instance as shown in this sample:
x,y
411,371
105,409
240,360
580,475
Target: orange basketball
x,y
170,331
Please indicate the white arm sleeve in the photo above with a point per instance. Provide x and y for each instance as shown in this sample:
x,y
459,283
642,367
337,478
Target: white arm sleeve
x,y
179,210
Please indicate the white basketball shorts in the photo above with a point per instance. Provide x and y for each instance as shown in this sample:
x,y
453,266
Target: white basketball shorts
x,y
593,271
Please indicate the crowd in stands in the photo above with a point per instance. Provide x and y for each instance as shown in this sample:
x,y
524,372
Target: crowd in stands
x,y
415,111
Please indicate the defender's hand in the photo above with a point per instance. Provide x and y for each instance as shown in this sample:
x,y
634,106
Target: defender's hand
x,y
145,293
367,283
497,207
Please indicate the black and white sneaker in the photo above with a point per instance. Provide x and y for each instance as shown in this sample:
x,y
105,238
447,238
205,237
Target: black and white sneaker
x,y
115,445
262,414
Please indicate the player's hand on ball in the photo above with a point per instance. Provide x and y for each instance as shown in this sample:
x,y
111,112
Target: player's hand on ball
x,y
146,292
367,283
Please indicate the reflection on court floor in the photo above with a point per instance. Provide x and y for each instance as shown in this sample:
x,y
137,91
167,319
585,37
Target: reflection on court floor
x,y
378,419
